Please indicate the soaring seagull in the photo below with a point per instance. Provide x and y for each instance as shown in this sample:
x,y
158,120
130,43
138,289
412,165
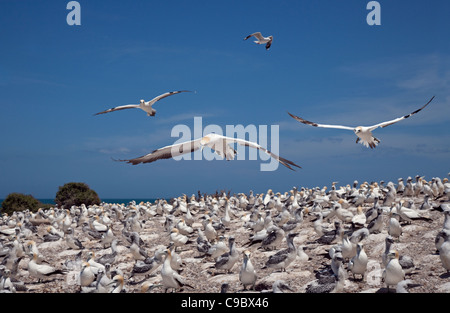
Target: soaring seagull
x,y
146,106
261,39
218,143
364,133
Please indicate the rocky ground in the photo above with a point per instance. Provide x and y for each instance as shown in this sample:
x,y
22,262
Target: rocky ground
x,y
417,241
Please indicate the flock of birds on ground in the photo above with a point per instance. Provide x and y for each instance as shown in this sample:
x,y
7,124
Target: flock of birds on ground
x,y
240,240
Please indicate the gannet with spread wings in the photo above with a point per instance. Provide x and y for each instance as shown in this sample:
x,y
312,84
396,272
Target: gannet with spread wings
x,y
364,133
143,105
261,39
220,144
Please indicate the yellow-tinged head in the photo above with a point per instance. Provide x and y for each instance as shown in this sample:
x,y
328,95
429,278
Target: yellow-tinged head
x,y
360,210
205,140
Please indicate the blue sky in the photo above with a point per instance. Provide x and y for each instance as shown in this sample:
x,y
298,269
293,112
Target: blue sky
x,y
326,64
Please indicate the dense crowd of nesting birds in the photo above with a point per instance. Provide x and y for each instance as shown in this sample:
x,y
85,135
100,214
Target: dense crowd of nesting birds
x,y
377,237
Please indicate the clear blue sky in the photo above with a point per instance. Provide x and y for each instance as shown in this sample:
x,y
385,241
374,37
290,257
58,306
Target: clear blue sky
x,y
326,64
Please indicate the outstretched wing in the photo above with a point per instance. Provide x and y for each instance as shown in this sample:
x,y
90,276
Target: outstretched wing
x,y
319,125
165,95
167,152
243,142
257,35
122,107
385,124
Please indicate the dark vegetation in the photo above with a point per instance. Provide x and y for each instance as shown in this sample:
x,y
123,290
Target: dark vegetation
x,y
76,194
67,195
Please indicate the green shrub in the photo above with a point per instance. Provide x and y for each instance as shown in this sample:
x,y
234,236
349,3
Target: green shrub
x,y
20,202
76,194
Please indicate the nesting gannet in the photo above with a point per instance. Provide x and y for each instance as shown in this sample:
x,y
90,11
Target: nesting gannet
x,y
218,248
203,244
136,250
103,282
394,227
219,144
261,39
358,264
376,225
183,228
393,273
302,256
275,236
109,258
247,274
93,263
226,220
445,231
178,239
177,262
331,236
72,242
364,133
86,275
410,214
440,238
170,278
444,252
426,205
344,215
117,284
283,258
405,261
348,248
143,105
107,238
148,266
359,219
227,260
42,271
92,234
6,286
97,225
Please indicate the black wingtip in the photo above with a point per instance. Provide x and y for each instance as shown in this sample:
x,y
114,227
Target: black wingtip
x,y
118,160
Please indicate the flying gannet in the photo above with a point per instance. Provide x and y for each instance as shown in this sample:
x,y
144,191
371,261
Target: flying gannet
x,y
143,105
218,143
261,39
364,133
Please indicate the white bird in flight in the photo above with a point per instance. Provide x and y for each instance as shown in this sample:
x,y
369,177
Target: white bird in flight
x,y
220,144
364,133
146,106
261,39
